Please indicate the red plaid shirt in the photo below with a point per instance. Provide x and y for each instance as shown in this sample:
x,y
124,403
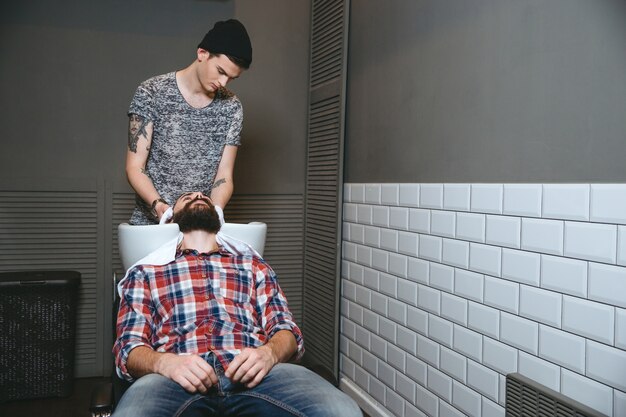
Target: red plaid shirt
x,y
201,303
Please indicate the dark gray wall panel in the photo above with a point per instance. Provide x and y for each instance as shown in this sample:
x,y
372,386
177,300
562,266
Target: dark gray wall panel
x,y
69,70
324,182
487,90
122,206
62,229
58,230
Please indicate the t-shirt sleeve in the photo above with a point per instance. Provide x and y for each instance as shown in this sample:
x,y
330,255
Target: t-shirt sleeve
x,y
142,103
233,137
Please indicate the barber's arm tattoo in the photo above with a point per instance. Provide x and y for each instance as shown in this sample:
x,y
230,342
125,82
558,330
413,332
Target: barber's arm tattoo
x,y
136,128
218,183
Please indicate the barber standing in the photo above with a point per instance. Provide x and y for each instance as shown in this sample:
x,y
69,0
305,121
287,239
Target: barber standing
x,y
185,126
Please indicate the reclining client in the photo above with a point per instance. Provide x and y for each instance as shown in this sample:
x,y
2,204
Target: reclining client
x,y
210,334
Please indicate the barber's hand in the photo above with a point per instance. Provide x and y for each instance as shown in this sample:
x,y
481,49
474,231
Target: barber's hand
x,y
192,372
251,366
220,213
160,209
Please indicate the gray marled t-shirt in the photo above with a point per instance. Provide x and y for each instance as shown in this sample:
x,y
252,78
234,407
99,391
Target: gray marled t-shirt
x,y
187,143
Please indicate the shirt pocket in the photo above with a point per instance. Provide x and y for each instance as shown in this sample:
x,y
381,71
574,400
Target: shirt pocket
x,y
235,288
235,295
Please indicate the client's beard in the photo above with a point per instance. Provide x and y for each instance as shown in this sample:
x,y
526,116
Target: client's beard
x,y
199,217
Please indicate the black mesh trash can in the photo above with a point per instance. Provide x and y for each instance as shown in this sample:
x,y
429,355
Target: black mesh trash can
x,y
37,333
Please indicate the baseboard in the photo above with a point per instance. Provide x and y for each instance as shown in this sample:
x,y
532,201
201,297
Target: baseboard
x,y
363,399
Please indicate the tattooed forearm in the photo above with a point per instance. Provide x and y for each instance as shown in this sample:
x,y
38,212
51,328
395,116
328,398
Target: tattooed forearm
x,y
218,183
143,171
136,128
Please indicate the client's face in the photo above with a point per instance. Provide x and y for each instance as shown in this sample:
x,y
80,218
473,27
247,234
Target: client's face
x,y
195,211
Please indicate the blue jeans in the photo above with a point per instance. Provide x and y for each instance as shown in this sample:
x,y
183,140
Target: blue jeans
x,y
287,390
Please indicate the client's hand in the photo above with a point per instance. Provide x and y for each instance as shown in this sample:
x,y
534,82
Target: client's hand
x,y
190,371
251,366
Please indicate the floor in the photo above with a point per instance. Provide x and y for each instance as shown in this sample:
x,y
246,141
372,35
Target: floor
x,y
76,405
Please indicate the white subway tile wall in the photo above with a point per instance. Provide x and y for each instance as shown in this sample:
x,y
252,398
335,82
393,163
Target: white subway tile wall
x,y
431,196
588,391
619,404
409,195
620,328
540,370
466,399
503,231
390,194
544,236
566,201
456,197
471,226
446,288
521,266
456,253
388,239
486,198
522,200
608,203
592,241
443,223
372,193
419,220
621,245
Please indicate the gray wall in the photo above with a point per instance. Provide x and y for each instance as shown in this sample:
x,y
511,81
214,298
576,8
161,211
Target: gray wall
x,y
486,91
69,69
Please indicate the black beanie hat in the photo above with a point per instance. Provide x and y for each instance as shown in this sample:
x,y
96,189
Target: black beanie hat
x,y
229,38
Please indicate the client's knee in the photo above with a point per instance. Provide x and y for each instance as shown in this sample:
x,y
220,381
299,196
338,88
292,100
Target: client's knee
x,y
341,404
322,399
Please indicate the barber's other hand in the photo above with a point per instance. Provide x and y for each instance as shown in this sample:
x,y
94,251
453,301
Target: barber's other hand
x,y
220,213
166,216
161,209
251,366
191,372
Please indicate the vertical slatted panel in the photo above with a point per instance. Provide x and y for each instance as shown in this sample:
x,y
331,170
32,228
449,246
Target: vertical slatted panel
x,y
284,243
324,182
327,41
121,208
57,230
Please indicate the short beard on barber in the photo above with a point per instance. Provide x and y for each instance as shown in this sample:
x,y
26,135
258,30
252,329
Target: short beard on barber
x,y
199,217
